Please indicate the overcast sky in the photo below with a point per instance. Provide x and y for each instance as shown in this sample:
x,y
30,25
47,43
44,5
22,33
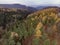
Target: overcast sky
x,y
30,2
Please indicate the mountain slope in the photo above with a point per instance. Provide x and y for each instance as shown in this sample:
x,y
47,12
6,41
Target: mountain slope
x,y
39,28
46,24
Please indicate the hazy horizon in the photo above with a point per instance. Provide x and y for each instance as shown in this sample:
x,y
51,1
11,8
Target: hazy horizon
x,y
31,2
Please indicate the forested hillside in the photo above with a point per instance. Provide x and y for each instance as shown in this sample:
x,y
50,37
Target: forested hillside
x,y
46,23
10,19
39,28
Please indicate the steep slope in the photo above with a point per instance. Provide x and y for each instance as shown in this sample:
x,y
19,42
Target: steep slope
x,y
10,15
46,24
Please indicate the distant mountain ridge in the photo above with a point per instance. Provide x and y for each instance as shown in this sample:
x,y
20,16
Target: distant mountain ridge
x,y
12,6
31,9
42,7
17,6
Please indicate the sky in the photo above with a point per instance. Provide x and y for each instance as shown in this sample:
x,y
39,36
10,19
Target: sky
x,y
30,2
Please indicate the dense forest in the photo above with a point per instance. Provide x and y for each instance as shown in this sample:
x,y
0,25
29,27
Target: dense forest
x,y
11,18
22,27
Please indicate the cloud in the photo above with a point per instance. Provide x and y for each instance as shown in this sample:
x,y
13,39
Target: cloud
x,y
38,2
8,1
30,2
